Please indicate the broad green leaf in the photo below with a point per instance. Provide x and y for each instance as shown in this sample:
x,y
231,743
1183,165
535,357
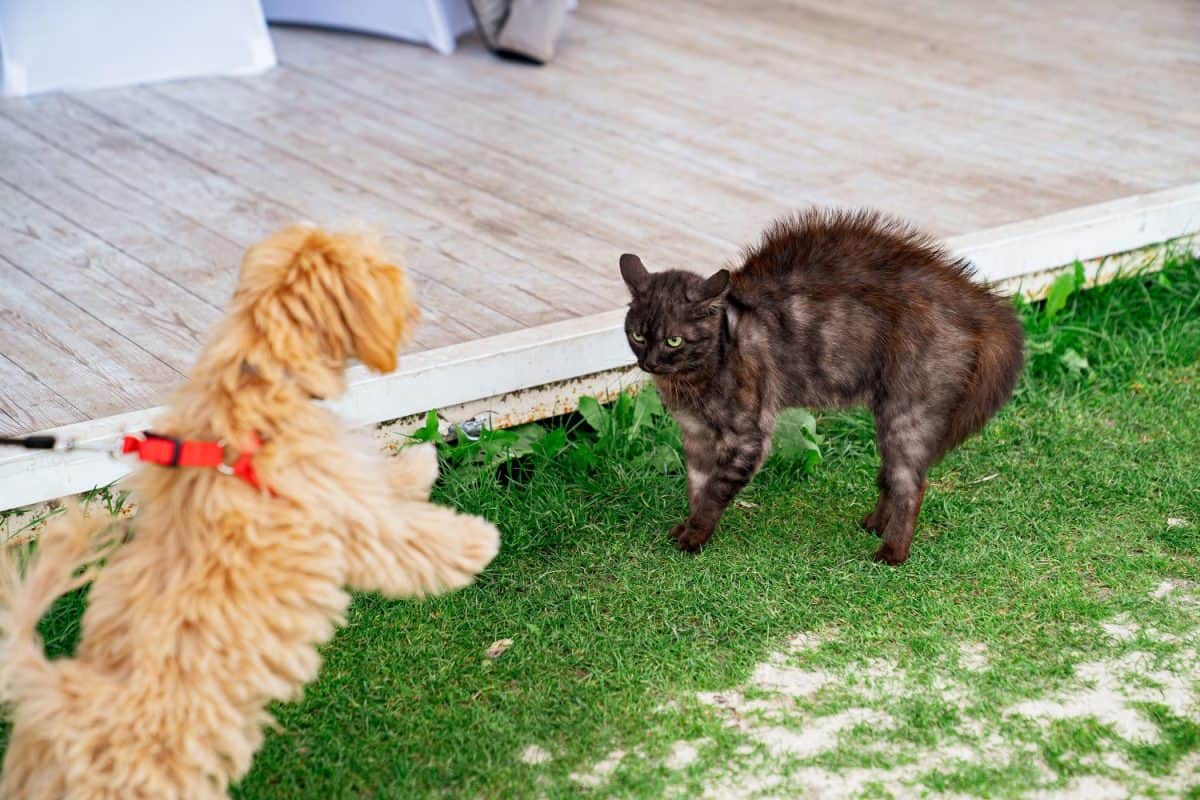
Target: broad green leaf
x,y
593,413
797,420
622,416
428,432
526,437
663,458
583,455
650,403
551,444
647,407
496,445
463,451
796,436
637,420
1060,291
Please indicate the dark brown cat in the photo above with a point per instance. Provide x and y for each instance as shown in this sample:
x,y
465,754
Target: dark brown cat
x,y
832,309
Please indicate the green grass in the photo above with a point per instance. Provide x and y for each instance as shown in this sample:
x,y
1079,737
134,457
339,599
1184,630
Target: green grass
x,y
1035,533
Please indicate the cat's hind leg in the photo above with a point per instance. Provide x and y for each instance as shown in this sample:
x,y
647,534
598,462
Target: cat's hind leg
x,y
876,522
908,445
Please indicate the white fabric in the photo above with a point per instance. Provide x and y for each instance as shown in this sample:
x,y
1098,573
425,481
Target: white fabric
x,y
46,45
437,23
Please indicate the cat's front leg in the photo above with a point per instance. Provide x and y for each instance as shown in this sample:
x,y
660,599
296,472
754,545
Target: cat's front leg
x,y
700,454
715,477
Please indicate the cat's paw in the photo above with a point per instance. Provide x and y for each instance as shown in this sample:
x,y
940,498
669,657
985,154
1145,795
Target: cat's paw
x,y
870,524
890,555
690,539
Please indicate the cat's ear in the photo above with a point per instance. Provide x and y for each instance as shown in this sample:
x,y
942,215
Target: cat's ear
x,y
633,271
712,290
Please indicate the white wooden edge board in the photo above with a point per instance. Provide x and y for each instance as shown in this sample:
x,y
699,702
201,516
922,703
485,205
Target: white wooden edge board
x,y
560,351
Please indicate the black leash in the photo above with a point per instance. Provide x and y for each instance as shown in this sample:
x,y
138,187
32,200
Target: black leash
x,y
44,441
30,442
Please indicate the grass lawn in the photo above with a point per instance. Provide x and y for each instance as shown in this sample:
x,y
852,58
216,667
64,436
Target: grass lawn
x,y
1041,641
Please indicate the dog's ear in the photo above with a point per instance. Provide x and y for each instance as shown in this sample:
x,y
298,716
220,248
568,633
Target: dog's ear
x,y
377,305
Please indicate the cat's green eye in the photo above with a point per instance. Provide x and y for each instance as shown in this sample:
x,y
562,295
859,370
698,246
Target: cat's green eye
x,y
637,337
674,341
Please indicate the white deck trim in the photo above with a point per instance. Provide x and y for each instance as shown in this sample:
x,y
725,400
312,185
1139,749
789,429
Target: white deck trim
x,y
560,351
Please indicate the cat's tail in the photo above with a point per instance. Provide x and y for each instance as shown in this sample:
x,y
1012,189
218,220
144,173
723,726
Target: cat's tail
x,y
65,559
998,364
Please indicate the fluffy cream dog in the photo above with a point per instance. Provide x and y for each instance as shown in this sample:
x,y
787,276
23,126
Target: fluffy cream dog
x,y
214,606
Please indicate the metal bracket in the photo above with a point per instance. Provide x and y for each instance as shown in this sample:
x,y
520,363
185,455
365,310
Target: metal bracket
x,y
473,428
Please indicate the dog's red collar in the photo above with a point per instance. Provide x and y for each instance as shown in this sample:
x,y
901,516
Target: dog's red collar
x,y
169,451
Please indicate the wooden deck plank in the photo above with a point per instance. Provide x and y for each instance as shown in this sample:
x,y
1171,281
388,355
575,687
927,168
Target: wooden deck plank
x,y
171,244
180,182
142,307
525,162
501,284
393,185
783,178
995,72
937,51
595,165
1085,51
809,35
27,404
533,118
166,176
825,105
597,117
383,194
73,354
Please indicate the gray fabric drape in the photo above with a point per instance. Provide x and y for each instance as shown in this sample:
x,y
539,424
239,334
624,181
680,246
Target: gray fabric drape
x,y
523,29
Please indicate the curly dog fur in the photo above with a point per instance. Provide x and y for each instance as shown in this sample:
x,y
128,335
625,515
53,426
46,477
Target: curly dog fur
x,y
214,606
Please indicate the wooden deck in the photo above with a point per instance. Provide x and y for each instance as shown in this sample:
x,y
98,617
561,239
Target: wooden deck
x,y
675,129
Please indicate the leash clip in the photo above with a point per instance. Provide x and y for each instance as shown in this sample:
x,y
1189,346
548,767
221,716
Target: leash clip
x,y
223,468
113,451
